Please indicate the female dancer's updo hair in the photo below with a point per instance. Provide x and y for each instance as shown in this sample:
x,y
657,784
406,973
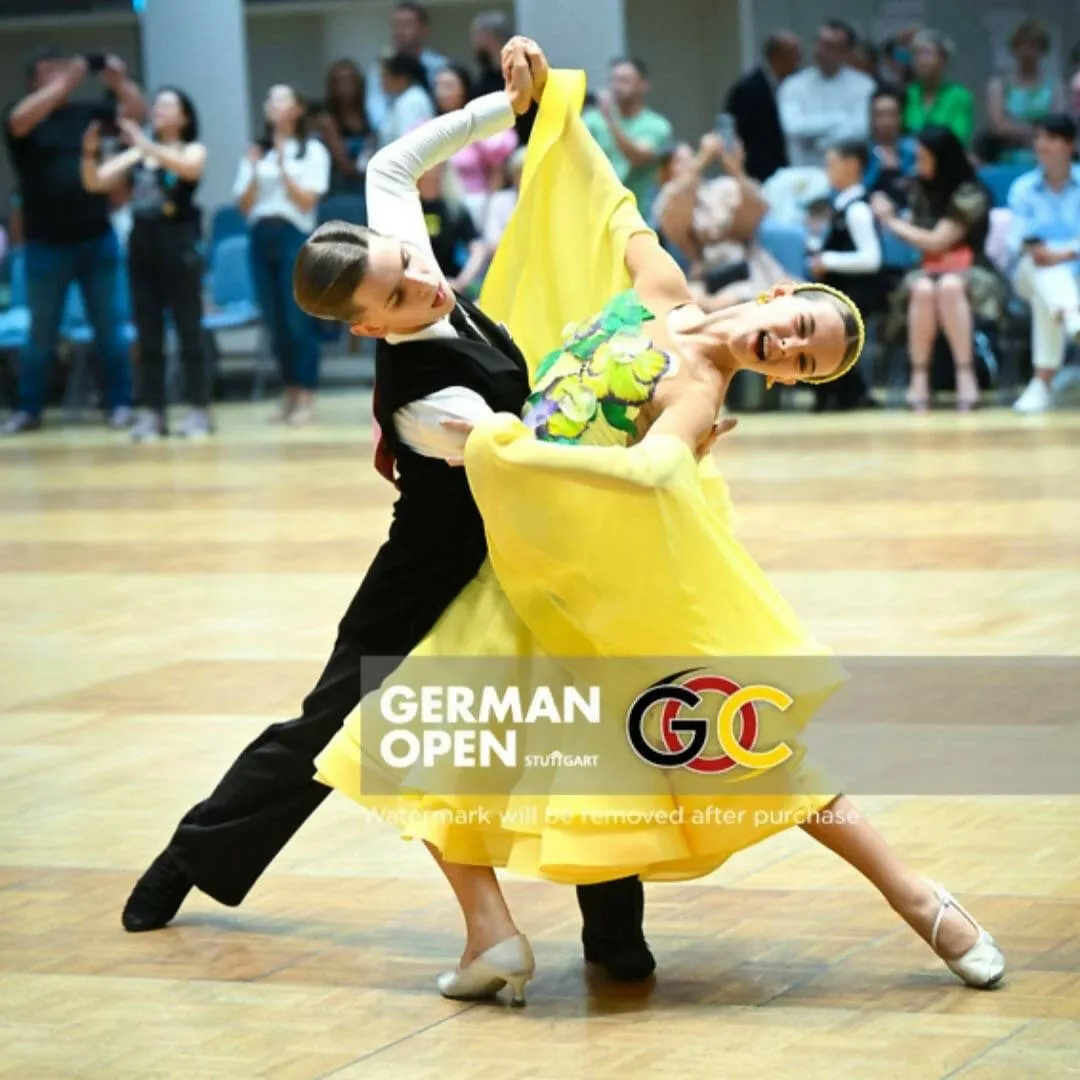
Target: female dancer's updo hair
x,y
329,269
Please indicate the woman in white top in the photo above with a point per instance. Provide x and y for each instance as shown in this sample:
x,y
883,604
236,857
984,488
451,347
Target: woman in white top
x,y
278,187
404,82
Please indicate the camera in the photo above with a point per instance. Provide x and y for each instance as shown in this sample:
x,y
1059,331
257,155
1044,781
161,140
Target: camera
x,y
95,62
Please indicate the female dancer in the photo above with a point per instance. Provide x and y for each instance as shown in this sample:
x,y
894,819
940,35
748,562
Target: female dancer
x,y
619,417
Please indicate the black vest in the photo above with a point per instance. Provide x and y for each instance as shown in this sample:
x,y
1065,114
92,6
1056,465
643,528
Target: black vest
x,y
866,290
436,544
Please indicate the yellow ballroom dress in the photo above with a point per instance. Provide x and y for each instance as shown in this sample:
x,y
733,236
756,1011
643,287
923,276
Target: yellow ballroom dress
x,y
608,563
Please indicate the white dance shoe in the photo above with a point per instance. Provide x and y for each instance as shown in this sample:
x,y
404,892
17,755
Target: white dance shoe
x,y
510,963
983,965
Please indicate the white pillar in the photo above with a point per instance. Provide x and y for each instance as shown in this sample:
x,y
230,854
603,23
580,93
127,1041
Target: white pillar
x,y
581,34
200,46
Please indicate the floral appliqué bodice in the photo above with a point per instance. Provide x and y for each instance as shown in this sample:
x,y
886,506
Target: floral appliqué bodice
x,y
592,387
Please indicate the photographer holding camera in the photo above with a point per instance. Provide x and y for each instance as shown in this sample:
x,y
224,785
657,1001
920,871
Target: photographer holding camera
x,y
68,234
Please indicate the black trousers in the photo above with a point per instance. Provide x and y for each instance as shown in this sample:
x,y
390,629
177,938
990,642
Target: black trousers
x,y
166,271
228,840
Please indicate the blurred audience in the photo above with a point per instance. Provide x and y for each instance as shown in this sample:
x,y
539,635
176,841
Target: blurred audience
x,y
633,136
752,102
343,125
410,27
491,30
478,169
1015,101
895,62
162,171
931,99
504,202
826,102
892,154
950,220
849,259
409,103
714,224
67,230
455,240
1045,238
278,187
1073,89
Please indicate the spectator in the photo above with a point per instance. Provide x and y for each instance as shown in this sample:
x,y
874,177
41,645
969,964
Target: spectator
x,y
478,169
1045,235
410,25
714,223
752,102
67,231
491,30
162,172
931,100
461,254
892,154
896,58
1074,82
1016,101
503,203
849,259
410,104
633,137
950,220
278,187
344,128
827,102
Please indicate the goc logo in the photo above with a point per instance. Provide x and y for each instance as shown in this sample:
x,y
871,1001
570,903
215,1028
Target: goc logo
x,y
684,690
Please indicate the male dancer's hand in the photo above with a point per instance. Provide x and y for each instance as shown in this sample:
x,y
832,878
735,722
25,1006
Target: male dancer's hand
x,y
464,428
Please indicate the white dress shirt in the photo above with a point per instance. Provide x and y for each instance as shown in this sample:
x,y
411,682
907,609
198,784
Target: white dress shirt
x,y
394,209
866,258
816,111
311,172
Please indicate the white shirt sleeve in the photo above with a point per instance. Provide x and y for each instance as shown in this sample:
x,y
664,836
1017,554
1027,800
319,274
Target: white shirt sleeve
x,y
800,114
393,202
866,258
243,178
313,169
419,424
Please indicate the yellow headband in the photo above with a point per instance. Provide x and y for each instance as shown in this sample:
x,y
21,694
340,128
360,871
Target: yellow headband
x,y
852,357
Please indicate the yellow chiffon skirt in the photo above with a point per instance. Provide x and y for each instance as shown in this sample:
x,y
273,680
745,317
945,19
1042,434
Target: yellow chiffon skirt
x,y
602,560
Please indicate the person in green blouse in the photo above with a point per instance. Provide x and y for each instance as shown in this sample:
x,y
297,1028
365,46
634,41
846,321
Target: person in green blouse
x,y
933,100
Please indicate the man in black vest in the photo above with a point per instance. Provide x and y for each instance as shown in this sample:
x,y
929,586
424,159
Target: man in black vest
x,y
453,364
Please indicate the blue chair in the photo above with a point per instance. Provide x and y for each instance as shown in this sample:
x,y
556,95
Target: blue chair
x,y
15,322
350,208
786,244
232,293
227,222
999,179
896,254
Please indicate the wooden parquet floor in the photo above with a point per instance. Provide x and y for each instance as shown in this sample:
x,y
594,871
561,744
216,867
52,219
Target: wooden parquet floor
x,y
160,605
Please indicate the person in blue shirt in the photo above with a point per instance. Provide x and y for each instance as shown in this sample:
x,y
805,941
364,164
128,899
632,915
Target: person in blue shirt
x,y
1045,238
892,154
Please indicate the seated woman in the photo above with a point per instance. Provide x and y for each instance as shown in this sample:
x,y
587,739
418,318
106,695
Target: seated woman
x,y
1017,100
714,222
609,533
950,221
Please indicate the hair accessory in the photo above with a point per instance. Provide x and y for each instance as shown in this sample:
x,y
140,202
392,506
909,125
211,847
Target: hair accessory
x,y
851,357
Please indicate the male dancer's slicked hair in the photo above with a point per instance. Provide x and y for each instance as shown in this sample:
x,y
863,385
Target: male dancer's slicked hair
x,y
329,269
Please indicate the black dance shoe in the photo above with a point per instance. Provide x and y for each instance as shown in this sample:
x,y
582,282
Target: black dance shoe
x,y
613,935
157,895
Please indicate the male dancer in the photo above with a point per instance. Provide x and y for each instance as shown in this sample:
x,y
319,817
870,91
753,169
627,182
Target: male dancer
x,y
435,547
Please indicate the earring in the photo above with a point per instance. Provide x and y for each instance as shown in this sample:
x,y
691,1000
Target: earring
x,y
763,298
770,383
